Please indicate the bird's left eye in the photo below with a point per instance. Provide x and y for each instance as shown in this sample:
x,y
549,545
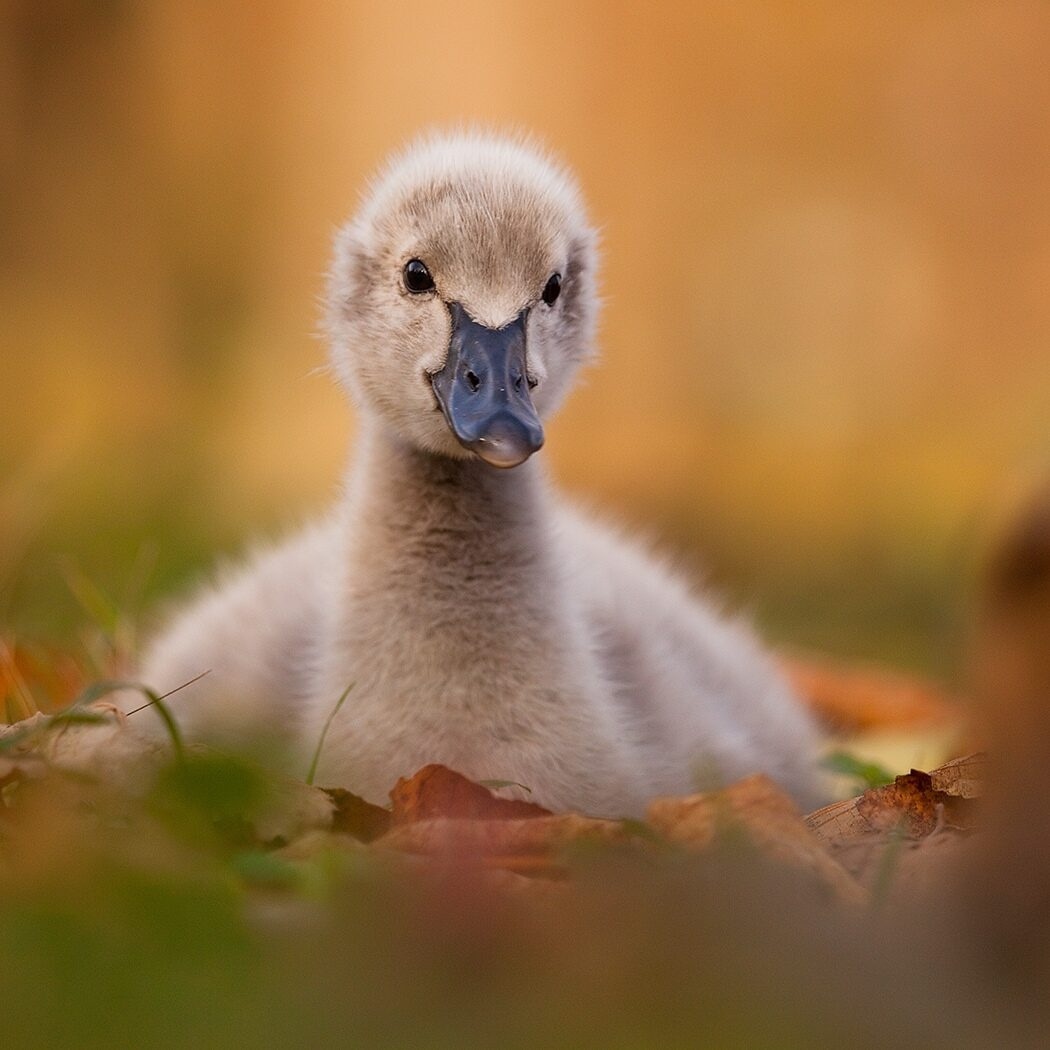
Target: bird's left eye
x,y
552,289
417,277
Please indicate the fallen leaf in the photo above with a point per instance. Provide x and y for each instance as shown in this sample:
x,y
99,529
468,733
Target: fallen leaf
x,y
354,816
758,807
881,836
536,836
915,804
909,803
437,791
962,777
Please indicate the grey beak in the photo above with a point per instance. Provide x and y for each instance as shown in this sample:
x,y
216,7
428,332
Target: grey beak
x,y
483,390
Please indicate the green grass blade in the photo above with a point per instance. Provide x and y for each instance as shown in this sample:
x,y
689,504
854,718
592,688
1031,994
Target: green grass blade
x,y
324,732
495,785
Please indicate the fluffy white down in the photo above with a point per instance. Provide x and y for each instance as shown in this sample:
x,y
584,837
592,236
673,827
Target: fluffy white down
x,y
480,621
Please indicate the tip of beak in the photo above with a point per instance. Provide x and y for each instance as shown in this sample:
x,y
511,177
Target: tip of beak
x,y
507,443
502,458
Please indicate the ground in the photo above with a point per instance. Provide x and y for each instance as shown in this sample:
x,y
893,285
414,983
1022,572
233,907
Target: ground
x,y
174,896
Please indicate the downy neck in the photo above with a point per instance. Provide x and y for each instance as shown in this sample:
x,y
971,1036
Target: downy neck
x,y
448,528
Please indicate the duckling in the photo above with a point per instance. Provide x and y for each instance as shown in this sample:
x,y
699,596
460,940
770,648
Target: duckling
x,y
464,612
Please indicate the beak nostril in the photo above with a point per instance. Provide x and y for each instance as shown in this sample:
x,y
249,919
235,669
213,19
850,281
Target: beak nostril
x,y
517,382
472,381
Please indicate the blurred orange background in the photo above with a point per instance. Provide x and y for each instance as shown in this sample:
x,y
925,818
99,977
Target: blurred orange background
x,y
827,239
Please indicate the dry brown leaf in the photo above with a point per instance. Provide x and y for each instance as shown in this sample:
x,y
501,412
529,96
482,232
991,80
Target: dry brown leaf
x,y
916,804
849,699
962,777
534,836
906,837
909,803
354,816
838,822
440,813
695,820
768,817
437,791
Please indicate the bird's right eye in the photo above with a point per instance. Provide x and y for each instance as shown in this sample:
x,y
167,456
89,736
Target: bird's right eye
x,y
417,277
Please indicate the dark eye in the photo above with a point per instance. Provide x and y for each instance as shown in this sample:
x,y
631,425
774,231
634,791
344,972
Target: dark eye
x,y
417,276
552,289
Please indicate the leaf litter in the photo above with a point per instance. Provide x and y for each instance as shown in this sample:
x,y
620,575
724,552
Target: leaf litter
x,y
440,814
87,784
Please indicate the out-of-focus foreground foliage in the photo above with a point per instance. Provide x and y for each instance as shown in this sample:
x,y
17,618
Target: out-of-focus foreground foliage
x,y
187,907
184,904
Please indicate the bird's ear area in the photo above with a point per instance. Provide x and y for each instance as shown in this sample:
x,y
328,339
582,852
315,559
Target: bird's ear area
x,y
353,273
579,283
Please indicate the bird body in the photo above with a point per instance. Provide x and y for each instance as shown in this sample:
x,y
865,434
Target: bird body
x,y
470,615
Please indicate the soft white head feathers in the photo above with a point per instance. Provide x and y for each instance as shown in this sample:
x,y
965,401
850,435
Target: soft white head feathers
x,y
493,221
